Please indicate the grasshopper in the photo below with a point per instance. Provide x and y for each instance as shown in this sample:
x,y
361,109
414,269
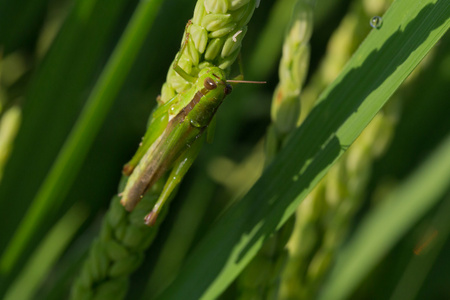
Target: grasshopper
x,y
174,137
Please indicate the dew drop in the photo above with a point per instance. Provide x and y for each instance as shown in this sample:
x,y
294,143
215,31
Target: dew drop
x,y
195,123
376,22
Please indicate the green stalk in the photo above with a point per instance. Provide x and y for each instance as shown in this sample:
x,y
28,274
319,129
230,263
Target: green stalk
x,y
215,34
323,218
260,279
385,225
9,125
62,174
418,269
47,253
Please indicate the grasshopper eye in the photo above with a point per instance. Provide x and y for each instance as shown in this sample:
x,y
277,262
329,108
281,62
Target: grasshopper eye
x,y
209,84
228,89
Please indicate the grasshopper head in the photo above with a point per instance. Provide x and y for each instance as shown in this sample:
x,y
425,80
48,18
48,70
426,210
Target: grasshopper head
x,y
211,89
213,79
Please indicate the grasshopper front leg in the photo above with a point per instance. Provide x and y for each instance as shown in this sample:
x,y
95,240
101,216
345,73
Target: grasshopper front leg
x,y
181,166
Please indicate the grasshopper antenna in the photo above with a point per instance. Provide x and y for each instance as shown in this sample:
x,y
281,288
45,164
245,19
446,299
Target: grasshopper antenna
x,y
239,78
245,81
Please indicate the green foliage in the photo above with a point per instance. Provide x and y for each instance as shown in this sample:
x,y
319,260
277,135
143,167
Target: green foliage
x,y
89,75
342,112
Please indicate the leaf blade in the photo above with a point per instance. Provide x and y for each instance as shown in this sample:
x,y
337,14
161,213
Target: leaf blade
x,y
380,65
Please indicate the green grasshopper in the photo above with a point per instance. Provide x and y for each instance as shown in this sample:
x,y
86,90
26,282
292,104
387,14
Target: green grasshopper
x,y
173,139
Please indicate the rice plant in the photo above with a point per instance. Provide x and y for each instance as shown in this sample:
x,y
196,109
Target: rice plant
x,y
330,181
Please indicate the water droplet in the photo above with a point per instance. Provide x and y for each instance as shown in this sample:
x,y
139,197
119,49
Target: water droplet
x,y
376,22
195,123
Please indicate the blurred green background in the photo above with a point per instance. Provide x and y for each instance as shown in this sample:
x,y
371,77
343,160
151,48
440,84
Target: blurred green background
x,y
52,54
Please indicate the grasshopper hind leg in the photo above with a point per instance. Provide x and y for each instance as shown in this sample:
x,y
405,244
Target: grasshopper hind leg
x,y
181,166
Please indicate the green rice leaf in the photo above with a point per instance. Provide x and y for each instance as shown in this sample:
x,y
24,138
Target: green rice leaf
x,y
383,61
